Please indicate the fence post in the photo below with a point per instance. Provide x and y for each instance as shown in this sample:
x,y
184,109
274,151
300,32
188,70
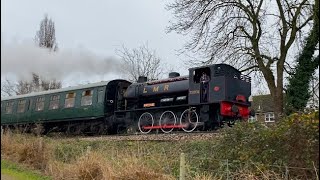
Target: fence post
x,y
287,173
182,167
88,149
315,169
41,144
227,170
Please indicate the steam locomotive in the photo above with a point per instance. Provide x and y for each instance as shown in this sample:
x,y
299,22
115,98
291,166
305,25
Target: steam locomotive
x,y
208,98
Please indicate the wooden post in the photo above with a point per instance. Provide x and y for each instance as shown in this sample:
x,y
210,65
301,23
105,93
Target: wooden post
x,y
1,131
40,143
227,169
315,169
182,167
88,149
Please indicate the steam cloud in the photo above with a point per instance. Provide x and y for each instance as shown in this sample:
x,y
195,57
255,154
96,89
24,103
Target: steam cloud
x,y
21,59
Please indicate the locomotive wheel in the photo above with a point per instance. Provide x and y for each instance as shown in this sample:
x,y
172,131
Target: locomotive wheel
x,y
146,119
167,118
190,119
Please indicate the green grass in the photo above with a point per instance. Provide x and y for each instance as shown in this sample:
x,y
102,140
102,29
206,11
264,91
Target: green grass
x,y
18,173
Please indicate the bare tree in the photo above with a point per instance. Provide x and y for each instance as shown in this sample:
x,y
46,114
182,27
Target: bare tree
x,y
37,84
8,88
46,36
254,35
140,61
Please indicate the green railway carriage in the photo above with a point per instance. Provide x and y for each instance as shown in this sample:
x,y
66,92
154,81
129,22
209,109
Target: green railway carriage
x,y
90,106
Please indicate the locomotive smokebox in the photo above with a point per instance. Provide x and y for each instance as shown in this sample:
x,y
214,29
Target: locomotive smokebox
x,y
173,74
142,79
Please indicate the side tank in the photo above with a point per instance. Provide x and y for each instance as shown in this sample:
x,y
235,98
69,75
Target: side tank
x,y
158,87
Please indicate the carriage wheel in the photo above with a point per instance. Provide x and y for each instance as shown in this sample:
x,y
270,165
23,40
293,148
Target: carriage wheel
x,y
146,119
71,130
189,118
97,129
38,129
167,118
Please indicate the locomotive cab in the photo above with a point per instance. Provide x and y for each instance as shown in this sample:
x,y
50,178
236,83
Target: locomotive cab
x,y
199,84
221,90
216,83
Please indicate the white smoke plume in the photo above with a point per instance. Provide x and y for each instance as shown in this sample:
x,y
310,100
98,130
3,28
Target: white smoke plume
x,y
21,59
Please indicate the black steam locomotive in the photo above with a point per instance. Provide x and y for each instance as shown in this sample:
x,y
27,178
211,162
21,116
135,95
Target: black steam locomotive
x,y
209,97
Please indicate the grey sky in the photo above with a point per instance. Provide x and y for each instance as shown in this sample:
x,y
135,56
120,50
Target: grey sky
x,y
101,26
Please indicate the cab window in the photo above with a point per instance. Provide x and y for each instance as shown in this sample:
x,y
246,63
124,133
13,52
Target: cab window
x,y
200,74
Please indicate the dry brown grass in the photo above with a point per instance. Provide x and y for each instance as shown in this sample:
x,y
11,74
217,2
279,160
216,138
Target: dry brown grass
x,y
94,166
28,150
35,152
7,146
132,168
89,167
103,163
246,174
204,177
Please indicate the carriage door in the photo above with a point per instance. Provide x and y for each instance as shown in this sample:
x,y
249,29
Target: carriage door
x,y
111,97
121,102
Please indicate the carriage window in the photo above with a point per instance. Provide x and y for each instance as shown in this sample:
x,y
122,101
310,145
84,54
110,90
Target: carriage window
x,y
40,104
54,102
100,96
86,99
21,106
70,100
9,107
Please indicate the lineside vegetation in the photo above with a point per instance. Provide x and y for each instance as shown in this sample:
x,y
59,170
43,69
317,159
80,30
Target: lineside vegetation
x,y
251,151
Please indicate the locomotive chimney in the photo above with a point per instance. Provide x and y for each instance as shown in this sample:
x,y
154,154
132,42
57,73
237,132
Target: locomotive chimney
x,y
173,74
142,79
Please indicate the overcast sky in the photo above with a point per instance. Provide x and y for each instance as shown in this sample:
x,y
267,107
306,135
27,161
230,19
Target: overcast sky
x,y
100,26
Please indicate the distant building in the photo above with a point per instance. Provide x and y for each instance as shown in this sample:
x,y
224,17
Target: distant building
x,y
263,106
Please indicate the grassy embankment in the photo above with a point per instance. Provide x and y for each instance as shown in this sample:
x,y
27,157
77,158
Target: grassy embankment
x,y
15,172
289,149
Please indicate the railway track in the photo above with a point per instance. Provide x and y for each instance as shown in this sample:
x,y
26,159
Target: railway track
x,y
175,136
